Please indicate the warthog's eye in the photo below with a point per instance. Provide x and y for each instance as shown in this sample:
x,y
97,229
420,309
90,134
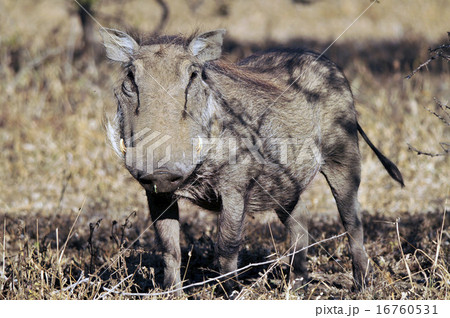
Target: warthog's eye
x,y
130,76
129,85
194,75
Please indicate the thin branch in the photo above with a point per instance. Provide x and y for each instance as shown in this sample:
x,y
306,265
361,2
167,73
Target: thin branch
x,y
420,152
440,117
439,238
420,67
111,290
439,52
445,146
403,255
443,107
81,280
71,230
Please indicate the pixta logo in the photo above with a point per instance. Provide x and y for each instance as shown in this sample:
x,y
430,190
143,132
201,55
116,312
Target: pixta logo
x,y
141,152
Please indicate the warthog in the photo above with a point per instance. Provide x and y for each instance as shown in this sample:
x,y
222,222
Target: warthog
x,y
236,138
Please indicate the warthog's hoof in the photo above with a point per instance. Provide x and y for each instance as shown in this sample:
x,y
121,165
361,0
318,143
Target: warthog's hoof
x,y
300,284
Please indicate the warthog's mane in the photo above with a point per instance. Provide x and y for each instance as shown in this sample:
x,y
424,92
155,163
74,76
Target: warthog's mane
x,y
151,39
246,76
236,72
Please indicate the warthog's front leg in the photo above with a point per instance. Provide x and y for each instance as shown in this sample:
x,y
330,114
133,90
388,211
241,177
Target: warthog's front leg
x,y
230,232
164,213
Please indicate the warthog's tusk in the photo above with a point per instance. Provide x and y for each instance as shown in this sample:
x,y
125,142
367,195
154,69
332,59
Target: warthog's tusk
x,y
199,146
154,187
123,149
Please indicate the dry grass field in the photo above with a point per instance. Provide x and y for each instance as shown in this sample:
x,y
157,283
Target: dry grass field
x,y
75,225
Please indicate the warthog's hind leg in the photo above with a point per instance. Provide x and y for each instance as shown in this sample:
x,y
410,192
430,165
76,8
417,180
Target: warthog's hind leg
x,y
344,180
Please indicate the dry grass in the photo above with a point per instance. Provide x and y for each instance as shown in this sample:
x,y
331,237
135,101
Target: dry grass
x,y
58,174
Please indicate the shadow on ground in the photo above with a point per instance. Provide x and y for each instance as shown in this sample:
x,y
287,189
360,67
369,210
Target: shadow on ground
x,y
115,249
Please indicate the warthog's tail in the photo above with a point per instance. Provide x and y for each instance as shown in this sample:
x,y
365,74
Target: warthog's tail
x,y
388,165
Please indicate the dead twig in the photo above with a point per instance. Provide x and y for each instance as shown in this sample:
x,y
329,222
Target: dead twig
x,y
439,116
81,280
71,230
67,175
403,255
92,228
111,290
439,238
420,152
443,52
126,225
436,53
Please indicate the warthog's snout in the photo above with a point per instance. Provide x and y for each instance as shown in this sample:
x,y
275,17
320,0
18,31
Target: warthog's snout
x,y
160,181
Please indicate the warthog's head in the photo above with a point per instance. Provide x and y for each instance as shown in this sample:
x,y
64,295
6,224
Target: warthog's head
x,y
163,104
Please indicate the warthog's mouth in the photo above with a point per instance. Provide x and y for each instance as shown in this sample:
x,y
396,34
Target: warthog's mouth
x,y
160,181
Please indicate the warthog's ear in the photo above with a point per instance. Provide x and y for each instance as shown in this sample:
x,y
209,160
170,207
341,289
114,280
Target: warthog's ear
x,y
208,46
120,47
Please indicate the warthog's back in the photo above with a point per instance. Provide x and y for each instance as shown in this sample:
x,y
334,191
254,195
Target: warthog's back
x,y
318,91
308,78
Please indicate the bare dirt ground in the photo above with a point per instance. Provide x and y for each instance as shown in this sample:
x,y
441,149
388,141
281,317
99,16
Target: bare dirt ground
x,y
75,225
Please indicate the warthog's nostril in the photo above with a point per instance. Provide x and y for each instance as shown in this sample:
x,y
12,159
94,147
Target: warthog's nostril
x,y
146,179
175,178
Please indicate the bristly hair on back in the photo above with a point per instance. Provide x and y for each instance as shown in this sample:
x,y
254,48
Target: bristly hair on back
x,y
247,76
152,39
